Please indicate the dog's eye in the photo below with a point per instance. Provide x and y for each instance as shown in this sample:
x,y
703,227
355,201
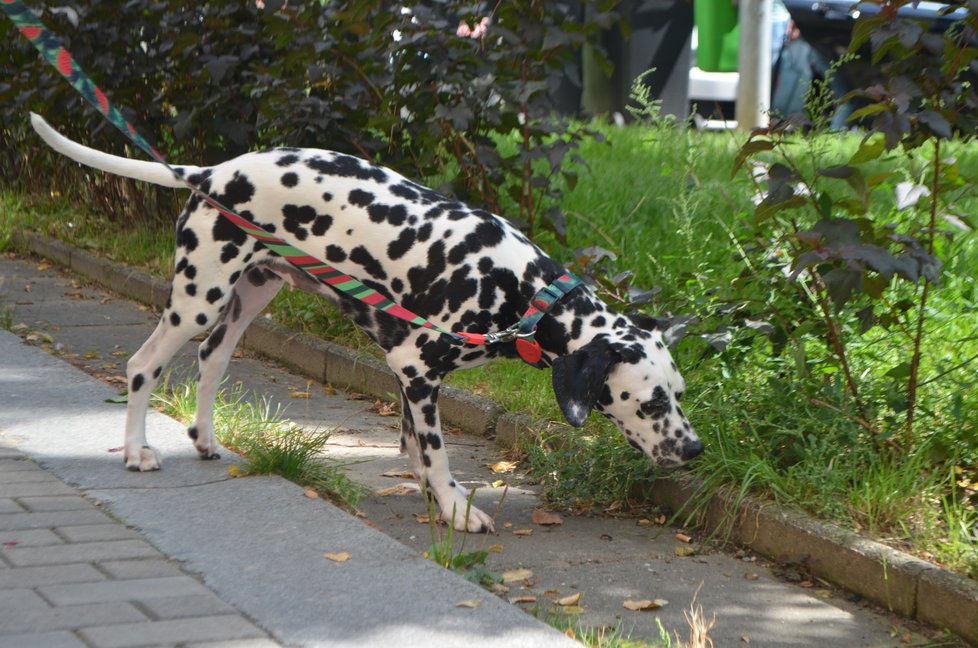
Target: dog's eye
x,y
679,396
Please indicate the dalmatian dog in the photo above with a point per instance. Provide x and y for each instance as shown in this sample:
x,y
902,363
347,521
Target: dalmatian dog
x,y
463,269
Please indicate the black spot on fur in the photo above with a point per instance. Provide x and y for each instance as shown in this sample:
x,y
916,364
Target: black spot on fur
x,y
287,160
192,432
213,341
360,198
335,254
658,406
238,190
402,190
290,179
321,224
190,271
157,372
399,247
214,294
201,319
187,238
191,289
373,267
175,319
347,166
137,382
228,252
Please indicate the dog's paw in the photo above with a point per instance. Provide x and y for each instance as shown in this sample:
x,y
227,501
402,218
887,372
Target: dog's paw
x,y
464,517
145,459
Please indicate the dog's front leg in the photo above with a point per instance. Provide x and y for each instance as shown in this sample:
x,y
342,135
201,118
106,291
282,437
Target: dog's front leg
x,y
421,439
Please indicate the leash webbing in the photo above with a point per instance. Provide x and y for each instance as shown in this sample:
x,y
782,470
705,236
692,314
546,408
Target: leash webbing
x,y
61,59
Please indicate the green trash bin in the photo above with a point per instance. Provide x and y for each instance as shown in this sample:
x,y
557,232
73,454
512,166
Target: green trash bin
x,y
718,35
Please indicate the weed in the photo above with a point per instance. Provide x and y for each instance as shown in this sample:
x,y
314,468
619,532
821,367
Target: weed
x,y
269,443
471,565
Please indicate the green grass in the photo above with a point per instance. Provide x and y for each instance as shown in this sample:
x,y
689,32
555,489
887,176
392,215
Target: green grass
x,y
270,444
776,426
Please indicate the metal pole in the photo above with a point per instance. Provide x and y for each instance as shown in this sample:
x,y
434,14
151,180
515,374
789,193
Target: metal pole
x,y
754,64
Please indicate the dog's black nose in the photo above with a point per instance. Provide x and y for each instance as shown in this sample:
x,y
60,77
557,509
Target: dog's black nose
x,y
692,449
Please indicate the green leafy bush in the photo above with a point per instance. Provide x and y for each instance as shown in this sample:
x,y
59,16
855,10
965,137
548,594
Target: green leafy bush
x,y
398,85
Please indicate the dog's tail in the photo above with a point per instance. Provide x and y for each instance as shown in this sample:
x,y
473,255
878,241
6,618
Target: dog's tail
x,y
153,172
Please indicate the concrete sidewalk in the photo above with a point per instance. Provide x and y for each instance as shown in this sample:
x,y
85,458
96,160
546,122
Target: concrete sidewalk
x,y
93,555
253,546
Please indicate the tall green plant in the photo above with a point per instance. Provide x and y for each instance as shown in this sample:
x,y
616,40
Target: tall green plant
x,y
850,246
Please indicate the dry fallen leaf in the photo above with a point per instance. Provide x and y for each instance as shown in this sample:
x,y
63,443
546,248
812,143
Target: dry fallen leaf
x,y
311,493
496,548
498,483
517,575
300,394
339,556
751,576
644,604
423,519
234,471
329,390
400,489
685,550
823,593
469,603
644,522
388,408
503,467
524,598
573,599
507,525
523,532
745,638
399,474
546,518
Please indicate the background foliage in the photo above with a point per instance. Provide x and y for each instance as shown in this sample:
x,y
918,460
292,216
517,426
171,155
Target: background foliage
x,y
393,83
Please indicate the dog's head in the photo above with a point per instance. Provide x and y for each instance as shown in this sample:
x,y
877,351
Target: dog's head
x,y
629,376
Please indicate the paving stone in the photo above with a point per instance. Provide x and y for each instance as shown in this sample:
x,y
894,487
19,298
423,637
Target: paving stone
x,y
9,464
10,506
53,519
57,639
96,532
6,452
30,489
79,552
224,627
69,618
152,568
32,474
29,538
15,601
180,607
47,575
238,643
57,503
121,590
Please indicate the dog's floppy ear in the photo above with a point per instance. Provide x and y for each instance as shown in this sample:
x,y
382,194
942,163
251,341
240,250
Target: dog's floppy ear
x,y
578,379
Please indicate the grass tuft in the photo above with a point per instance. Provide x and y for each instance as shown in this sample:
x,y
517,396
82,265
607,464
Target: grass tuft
x,y
270,445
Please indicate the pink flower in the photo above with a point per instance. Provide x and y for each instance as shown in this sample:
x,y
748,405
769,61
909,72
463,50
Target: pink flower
x,y
478,31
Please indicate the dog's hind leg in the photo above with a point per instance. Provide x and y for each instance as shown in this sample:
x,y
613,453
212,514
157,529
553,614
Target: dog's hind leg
x,y
143,372
251,294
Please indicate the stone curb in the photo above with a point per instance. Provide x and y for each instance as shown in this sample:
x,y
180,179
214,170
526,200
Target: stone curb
x,y
897,581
